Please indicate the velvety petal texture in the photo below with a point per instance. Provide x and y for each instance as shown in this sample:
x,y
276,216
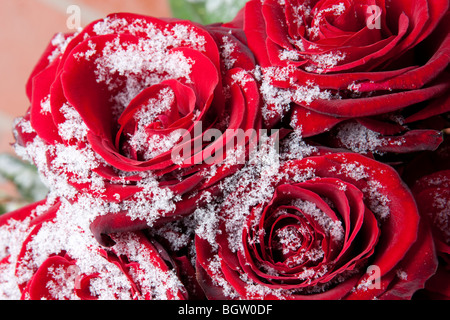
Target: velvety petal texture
x,y
324,62
432,193
49,260
300,151
133,98
325,231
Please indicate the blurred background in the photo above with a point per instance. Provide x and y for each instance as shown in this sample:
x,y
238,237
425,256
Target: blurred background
x,y
27,26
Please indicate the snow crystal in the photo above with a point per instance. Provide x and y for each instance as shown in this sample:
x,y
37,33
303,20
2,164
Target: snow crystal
x,y
151,203
58,164
310,92
294,147
401,274
12,235
354,170
257,179
319,18
215,267
81,163
149,61
177,34
176,236
354,87
74,126
258,291
60,42
319,62
149,275
291,55
441,216
332,228
132,59
87,55
301,175
358,138
207,223
8,285
36,152
24,125
288,239
378,200
324,61
45,105
226,51
143,65
277,100
365,284
62,284
69,232
241,78
151,146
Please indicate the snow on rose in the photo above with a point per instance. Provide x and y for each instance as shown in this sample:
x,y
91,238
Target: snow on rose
x,y
286,154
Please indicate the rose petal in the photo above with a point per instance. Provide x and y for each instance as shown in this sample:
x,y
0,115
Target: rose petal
x,y
255,29
38,287
41,119
376,105
312,123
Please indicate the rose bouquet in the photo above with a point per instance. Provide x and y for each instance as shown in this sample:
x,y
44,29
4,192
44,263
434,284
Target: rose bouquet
x,y
298,151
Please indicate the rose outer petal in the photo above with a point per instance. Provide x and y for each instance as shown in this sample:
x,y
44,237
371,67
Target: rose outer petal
x,y
37,288
42,120
379,104
399,229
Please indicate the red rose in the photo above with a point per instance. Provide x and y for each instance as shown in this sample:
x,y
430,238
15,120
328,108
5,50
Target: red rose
x,y
432,194
382,65
148,134
329,226
139,109
48,257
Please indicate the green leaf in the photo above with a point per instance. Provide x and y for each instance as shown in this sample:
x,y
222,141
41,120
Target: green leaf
x,y
9,203
24,176
206,11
